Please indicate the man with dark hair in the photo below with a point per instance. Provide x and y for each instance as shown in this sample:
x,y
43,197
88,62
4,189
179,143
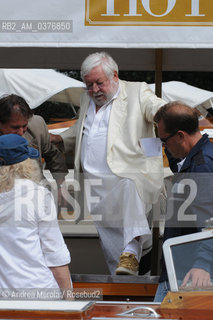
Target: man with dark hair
x,y
191,155
178,116
17,117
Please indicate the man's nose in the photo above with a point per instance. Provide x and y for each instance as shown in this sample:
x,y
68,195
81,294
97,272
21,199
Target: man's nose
x,y
95,87
20,131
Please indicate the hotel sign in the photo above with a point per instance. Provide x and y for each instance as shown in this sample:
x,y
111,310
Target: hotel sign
x,y
149,13
107,23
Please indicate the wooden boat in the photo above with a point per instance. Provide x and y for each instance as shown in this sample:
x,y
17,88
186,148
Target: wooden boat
x,y
184,307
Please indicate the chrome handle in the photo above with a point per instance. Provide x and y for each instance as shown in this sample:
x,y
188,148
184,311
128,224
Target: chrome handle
x,y
133,313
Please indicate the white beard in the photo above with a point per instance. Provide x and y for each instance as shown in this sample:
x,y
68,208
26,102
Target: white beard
x,y
105,97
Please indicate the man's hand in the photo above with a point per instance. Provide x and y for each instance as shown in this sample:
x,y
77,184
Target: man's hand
x,y
56,138
198,278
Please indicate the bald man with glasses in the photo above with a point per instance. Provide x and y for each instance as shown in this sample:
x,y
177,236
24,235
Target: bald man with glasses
x,y
191,159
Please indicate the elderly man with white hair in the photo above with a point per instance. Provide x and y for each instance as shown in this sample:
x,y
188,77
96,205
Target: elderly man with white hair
x,y
124,182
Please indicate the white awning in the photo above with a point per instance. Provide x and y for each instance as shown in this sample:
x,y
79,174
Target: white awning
x,y
177,90
39,85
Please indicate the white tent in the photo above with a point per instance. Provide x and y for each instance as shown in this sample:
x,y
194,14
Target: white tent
x,y
38,85
177,90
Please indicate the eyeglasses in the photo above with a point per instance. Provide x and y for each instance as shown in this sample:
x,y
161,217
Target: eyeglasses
x,y
164,140
99,84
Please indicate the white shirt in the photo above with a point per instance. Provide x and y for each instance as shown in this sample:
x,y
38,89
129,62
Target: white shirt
x,y
30,238
94,142
94,153
180,164
113,201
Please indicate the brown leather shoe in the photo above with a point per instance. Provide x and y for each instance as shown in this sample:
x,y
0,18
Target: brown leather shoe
x,y
128,264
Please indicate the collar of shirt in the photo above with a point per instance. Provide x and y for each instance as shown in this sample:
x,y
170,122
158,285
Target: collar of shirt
x,y
94,142
195,150
92,103
180,164
103,113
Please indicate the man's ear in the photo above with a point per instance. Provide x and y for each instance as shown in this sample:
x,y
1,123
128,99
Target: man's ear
x,y
181,134
115,76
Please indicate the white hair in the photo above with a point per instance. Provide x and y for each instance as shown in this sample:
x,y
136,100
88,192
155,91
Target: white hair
x,y
27,169
99,58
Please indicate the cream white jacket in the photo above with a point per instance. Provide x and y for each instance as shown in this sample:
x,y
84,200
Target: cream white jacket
x,y
131,119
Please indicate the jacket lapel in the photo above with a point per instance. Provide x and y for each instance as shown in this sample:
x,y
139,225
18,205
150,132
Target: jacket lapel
x,y
83,111
117,115
31,140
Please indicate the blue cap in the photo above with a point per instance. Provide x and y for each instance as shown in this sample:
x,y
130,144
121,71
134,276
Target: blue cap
x,y
14,149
